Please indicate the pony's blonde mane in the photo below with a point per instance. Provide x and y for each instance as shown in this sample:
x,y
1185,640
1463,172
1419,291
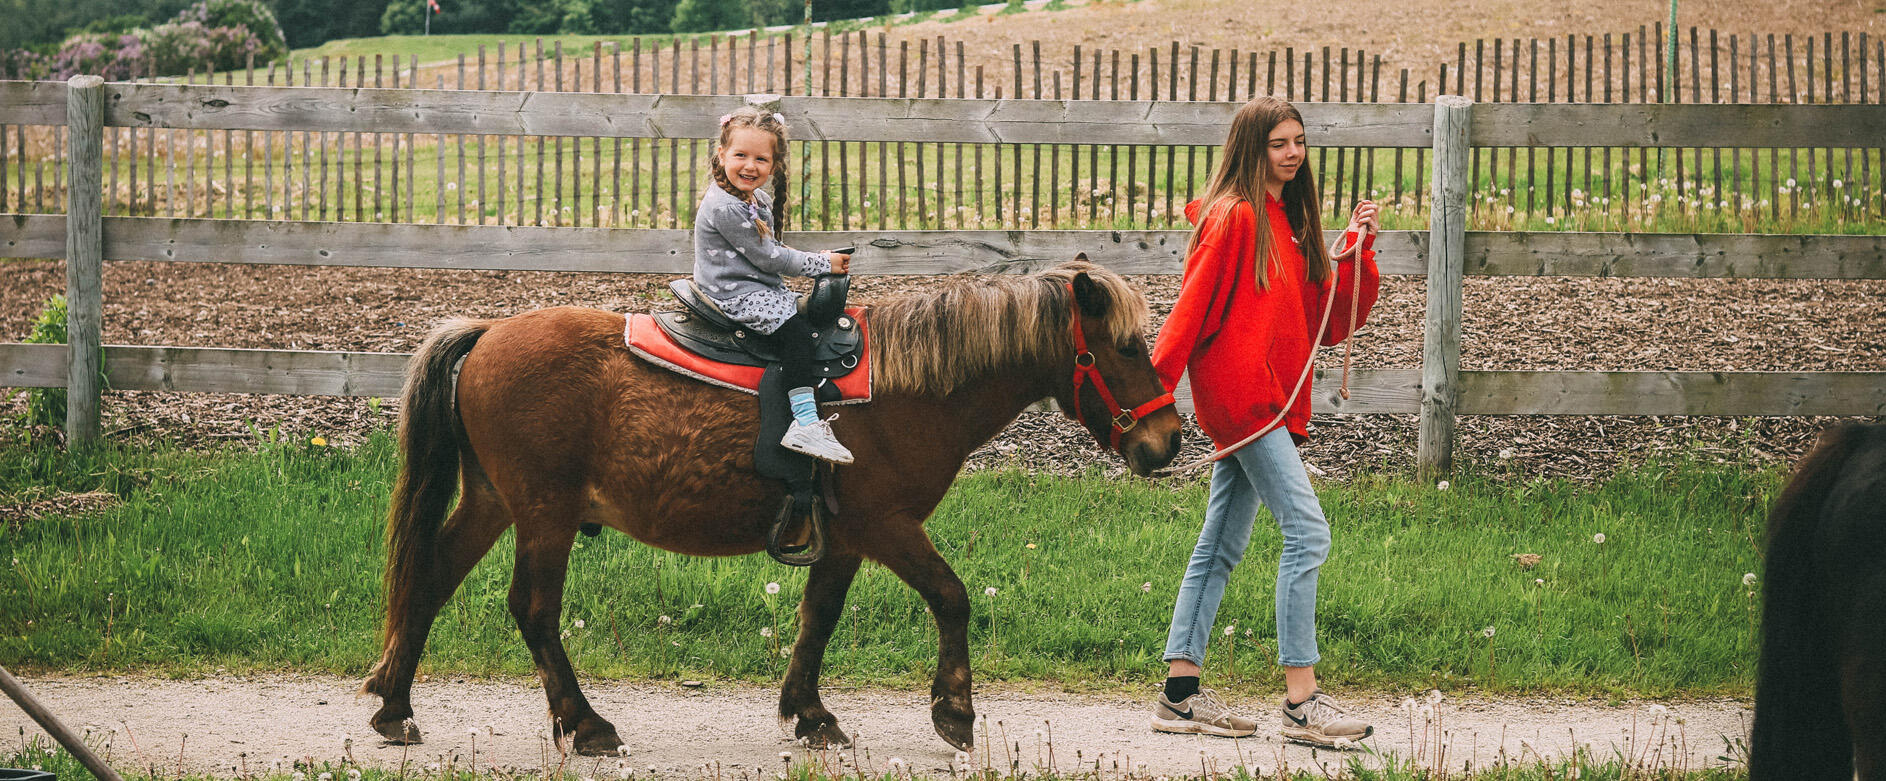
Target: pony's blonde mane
x,y
931,343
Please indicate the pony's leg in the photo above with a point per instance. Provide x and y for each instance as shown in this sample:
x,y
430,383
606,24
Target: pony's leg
x,y
907,552
1863,696
465,539
819,610
543,558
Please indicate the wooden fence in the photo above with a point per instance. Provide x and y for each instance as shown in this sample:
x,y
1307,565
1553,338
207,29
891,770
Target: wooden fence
x,y
1450,129
588,179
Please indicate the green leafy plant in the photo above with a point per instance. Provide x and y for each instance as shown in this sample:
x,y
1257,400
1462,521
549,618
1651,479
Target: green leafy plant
x,y
46,406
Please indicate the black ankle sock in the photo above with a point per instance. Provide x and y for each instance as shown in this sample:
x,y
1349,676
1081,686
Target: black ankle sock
x,y
1179,687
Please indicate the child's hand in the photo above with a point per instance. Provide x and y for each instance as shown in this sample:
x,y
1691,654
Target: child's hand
x,y
841,262
1365,215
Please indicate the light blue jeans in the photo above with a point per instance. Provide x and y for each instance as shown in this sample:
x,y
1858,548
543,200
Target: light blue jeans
x,y
1267,473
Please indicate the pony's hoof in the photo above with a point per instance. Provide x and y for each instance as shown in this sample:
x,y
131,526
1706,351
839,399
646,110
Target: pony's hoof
x,y
597,738
398,730
821,734
956,728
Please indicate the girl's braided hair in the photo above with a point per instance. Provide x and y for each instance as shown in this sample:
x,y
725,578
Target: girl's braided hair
x,y
770,122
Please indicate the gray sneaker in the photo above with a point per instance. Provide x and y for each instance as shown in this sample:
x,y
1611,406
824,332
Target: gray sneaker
x,y
1200,714
1321,721
817,441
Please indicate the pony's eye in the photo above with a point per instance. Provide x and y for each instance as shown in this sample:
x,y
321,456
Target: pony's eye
x,y
1130,350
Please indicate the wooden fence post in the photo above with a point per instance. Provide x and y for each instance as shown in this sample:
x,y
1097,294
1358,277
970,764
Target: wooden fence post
x,y
765,102
1447,231
84,252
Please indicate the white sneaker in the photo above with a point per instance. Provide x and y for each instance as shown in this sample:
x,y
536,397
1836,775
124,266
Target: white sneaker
x,y
815,440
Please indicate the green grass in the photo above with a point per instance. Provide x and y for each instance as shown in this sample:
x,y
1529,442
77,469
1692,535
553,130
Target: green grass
x,y
438,49
939,186
287,539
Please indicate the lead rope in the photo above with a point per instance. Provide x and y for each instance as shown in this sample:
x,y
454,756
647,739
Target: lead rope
x,y
1321,328
1355,308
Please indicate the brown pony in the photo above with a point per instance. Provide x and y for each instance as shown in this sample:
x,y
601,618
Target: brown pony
x,y
555,424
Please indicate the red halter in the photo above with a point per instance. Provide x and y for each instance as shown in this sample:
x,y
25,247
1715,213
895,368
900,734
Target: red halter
x,y
1120,420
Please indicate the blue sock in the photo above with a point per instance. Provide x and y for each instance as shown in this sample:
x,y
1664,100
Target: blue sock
x,y
804,409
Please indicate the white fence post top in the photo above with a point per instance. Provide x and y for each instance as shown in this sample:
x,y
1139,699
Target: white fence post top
x,y
1453,101
85,82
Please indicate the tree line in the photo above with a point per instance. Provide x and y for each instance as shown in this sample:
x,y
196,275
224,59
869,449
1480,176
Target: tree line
x,y
44,26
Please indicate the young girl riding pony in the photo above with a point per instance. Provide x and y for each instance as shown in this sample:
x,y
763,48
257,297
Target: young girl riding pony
x,y
1250,311
739,262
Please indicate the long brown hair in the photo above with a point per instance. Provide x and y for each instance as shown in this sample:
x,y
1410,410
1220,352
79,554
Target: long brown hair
x,y
1244,167
770,122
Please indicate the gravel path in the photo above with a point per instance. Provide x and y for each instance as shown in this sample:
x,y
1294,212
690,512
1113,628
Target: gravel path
x,y
223,724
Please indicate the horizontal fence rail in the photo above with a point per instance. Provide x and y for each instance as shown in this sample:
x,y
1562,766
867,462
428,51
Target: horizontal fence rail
x,y
1454,130
952,120
1371,391
660,251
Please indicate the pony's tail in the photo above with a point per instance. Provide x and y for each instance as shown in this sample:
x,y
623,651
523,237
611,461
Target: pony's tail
x,y
429,441
1798,732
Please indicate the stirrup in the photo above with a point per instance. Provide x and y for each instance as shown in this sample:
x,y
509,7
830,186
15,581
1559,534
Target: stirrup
x,y
798,555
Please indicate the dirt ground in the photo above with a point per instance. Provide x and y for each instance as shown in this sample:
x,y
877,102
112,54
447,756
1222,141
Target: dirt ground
x,y
1510,323
226,725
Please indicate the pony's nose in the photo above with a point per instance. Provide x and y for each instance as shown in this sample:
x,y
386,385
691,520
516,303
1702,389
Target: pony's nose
x,y
1172,443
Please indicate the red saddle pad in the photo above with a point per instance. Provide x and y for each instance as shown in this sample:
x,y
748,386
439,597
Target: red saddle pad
x,y
650,343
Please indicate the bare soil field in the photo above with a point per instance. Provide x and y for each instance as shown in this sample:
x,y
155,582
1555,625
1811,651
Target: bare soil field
x,y
1418,34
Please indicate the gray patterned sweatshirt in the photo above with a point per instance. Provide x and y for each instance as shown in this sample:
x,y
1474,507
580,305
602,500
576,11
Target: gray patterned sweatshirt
x,y
742,270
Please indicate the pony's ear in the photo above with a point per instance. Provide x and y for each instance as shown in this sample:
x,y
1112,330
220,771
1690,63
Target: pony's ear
x,y
1090,295
1080,257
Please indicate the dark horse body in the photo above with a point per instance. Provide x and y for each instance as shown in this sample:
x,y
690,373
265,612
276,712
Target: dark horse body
x,y
555,424
1820,702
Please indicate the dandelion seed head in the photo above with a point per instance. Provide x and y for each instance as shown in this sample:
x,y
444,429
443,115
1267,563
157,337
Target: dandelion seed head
x,y
1443,485
664,620
989,592
1144,588
579,623
1488,632
1748,579
1598,538
772,588
766,631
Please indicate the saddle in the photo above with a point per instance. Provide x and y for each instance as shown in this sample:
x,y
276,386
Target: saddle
x,y
702,329
700,341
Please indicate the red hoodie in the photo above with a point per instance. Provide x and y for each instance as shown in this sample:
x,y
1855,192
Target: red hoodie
x,y
1245,347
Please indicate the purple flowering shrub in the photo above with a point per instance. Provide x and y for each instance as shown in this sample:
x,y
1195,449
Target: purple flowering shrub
x,y
23,64
252,15
115,57
221,34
